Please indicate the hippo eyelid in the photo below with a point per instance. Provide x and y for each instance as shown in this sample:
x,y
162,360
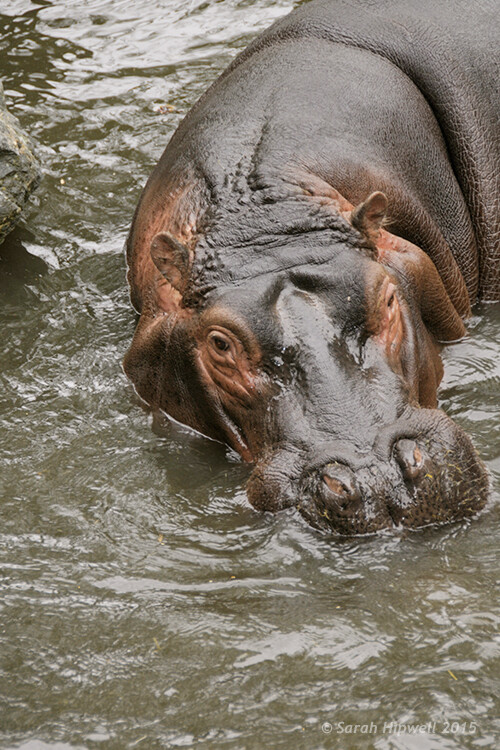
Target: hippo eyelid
x,y
224,348
233,328
383,297
389,293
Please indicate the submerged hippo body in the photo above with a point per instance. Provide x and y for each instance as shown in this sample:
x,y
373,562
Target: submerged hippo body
x,y
277,314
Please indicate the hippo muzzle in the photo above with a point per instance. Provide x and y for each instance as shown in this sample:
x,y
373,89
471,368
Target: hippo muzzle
x,y
421,470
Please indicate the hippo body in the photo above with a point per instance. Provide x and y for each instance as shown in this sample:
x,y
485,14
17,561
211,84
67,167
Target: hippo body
x,y
324,216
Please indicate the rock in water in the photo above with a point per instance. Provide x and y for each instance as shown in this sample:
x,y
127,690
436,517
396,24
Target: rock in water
x,y
19,170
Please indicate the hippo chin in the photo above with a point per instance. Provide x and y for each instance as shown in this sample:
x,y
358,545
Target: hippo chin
x,y
277,312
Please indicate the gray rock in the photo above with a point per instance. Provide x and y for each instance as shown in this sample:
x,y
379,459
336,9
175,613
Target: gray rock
x,y
19,169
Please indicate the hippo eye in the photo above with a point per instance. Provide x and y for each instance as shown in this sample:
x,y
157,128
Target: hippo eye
x,y
220,343
389,292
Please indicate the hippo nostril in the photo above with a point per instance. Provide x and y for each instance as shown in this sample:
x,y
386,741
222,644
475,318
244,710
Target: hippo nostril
x,y
335,486
339,486
410,458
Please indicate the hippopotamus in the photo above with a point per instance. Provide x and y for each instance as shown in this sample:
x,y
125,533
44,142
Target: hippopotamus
x,y
318,226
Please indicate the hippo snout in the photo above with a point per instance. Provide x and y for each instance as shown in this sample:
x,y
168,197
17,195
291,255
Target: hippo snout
x,y
420,471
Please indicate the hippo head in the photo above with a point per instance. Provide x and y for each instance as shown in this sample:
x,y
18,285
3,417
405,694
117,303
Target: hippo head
x,y
319,364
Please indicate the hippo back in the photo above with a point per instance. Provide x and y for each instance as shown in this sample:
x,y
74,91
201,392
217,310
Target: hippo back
x,y
450,51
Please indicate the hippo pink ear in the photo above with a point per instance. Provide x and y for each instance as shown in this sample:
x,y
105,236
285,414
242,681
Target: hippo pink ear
x,y
172,259
368,217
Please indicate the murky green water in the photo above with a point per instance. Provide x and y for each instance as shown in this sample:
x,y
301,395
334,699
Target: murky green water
x,y
143,602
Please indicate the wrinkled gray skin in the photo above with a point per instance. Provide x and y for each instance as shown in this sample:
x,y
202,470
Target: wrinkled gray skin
x,y
239,234
19,170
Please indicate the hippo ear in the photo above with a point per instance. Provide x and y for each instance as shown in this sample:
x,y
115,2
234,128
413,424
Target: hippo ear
x,y
368,217
172,259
